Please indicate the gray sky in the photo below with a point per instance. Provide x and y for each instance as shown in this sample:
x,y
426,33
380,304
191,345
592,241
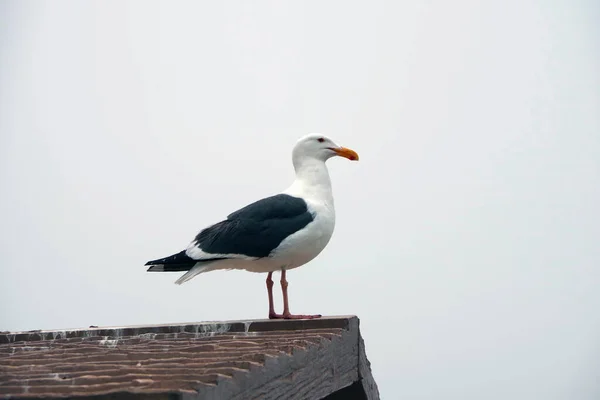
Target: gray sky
x,y
466,237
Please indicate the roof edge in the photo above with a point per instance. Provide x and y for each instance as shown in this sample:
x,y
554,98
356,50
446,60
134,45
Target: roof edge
x,y
207,327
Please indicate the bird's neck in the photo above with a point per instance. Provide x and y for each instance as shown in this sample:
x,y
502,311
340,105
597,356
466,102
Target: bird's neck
x,y
312,181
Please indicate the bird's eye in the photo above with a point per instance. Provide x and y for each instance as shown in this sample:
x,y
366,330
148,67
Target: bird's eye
x,y
321,140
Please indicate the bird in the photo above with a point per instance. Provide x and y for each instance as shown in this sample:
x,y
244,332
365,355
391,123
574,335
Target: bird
x,y
277,233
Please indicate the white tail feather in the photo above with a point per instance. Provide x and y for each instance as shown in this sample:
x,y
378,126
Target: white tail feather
x,y
196,270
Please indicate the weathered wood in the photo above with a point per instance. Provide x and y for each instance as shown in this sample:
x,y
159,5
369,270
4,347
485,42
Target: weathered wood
x,y
201,328
238,360
364,372
307,374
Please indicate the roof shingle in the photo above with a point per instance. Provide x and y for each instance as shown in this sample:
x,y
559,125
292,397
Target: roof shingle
x,y
264,359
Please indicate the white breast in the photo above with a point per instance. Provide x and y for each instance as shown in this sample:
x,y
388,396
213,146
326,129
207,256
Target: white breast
x,y
304,245
312,184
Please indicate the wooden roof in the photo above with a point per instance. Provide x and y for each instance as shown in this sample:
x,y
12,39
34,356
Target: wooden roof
x,y
262,359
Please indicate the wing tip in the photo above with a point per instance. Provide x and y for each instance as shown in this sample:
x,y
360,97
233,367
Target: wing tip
x,y
156,268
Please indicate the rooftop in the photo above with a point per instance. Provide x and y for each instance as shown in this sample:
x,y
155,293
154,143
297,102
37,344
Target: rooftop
x,y
268,359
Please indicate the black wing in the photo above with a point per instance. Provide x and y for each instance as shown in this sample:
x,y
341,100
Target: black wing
x,y
257,229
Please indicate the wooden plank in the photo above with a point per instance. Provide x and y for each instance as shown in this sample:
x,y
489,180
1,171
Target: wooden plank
x,y
364,372
313,373
304,359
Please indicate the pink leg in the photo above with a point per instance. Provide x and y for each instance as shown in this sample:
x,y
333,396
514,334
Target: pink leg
x,y
286,306
272,314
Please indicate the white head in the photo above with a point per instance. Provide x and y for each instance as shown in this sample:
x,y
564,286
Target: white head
x,y
319,147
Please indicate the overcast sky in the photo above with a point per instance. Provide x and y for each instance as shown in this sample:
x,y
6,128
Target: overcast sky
x,y
467,236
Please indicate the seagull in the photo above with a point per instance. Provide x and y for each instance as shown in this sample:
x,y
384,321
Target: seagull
x,y
277,233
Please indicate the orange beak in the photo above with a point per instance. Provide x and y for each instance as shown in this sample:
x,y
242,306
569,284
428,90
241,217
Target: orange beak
x,y
346,153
